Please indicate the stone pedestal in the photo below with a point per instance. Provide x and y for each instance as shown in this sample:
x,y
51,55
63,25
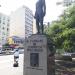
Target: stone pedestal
x,y
36,56
38,60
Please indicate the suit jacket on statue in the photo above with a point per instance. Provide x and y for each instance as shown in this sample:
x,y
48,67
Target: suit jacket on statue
x,y
40,9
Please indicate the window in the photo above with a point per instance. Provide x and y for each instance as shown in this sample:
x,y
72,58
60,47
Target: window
x,y
3,33
3,28
0,21
34,59
8,20
3,22
8,24
2,38
3,18
7,29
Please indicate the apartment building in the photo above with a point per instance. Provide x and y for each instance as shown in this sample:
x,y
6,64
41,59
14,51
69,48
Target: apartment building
x,y
4,28
21,22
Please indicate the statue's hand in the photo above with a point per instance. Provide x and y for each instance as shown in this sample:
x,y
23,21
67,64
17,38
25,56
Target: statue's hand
x,y
35,17
44,14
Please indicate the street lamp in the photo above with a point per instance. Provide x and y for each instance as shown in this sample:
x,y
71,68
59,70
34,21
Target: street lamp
x,y
46,24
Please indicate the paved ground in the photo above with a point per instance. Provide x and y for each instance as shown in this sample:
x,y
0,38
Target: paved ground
x,y
6,65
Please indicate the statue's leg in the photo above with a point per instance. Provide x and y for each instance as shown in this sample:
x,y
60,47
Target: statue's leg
x,y
37,25
42,27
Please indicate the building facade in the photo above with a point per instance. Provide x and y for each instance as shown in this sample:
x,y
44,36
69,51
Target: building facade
x,y
14,40
68,2
4,28
21,22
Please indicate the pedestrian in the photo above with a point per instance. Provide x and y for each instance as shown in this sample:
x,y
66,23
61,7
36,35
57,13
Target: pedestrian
x,y
16,56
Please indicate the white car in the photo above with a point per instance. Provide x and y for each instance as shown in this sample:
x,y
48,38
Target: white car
x,y
66,54
0,50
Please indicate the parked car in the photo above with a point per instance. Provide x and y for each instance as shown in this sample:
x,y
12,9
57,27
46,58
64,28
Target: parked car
x,y
0,50
66,54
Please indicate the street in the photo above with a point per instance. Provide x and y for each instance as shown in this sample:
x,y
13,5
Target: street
x,y
6,65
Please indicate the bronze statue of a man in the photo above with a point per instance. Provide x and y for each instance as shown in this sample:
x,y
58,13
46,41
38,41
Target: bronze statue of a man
x,y
39,15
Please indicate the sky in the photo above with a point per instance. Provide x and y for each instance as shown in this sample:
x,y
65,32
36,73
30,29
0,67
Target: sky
x,y
52,10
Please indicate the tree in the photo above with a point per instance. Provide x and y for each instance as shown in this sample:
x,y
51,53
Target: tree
x,y
62,32
6,46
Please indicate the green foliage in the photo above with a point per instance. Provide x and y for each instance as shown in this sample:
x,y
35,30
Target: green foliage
x,y
62,32
6,45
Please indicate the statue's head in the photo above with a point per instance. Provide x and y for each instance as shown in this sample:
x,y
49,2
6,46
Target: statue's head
x,y
38,0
